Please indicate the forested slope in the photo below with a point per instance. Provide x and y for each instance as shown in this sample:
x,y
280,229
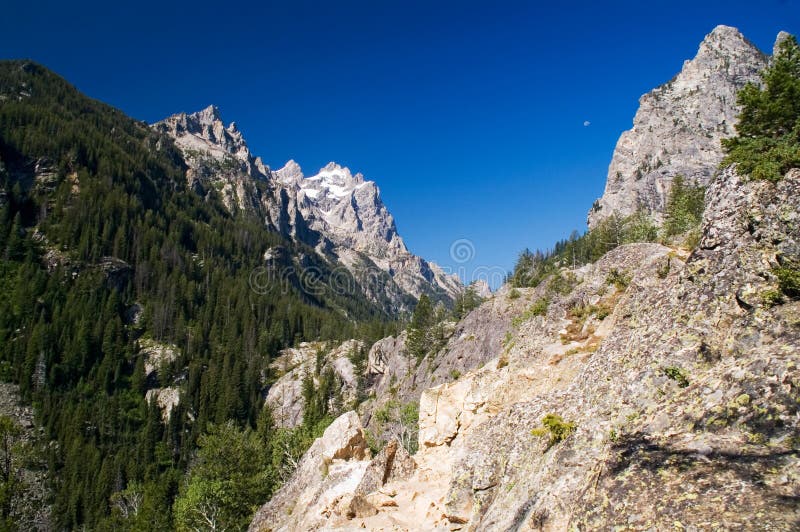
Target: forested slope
x,y
102,247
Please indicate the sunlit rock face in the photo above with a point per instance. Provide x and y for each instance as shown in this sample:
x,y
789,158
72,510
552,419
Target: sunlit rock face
x,y
678,127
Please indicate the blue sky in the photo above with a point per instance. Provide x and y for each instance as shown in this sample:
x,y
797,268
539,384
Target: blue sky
x,y
469,115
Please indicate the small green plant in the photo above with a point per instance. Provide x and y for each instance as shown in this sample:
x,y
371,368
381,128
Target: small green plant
x,y
788,280
677,374
507,339
664,269
554,426
619,279
539,308
455,374
772,297
602,311
562,283
513,294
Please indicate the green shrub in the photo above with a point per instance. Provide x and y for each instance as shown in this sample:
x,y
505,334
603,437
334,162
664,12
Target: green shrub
x,y
562,283
678,375
539,308
513,294
684,210
397,420
772,297
788,280
619,279
554,426
602,311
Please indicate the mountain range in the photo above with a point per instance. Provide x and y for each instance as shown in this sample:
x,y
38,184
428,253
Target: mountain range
x,y
339,214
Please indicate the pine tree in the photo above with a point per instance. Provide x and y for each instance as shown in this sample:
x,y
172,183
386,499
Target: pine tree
x,y
419,337
767,144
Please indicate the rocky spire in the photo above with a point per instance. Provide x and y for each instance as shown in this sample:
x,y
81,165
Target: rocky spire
x,y
679,126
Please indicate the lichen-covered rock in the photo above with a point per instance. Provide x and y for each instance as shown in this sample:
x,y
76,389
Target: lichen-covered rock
x,y
395,376
686,414
679,125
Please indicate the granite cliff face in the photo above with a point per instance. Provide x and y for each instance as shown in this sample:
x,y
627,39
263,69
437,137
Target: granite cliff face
x,y
339,214
678,127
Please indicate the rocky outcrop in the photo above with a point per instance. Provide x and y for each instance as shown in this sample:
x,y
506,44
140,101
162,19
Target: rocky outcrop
x,y
395,376
678,127
392,463
165,398
156,354
29,504
335,482
285,396
333,465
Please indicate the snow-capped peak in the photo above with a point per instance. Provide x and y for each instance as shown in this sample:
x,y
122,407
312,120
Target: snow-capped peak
x,y
345,209
334,181
334,173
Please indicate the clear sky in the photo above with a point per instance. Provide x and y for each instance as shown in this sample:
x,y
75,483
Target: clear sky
x,y
491,121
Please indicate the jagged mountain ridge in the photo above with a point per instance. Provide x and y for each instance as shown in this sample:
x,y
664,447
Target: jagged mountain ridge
x,y
678,127
340,214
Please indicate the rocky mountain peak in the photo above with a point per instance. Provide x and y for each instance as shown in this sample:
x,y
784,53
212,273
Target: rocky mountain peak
x,y
678,127
205,132
291,173
208,116
782,36
722,38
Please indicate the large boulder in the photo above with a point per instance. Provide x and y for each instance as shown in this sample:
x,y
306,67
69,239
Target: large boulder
x,y
333,466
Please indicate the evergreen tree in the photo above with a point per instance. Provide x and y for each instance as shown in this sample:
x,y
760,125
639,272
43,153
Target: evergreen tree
x,y
684,209
767,144
418,340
